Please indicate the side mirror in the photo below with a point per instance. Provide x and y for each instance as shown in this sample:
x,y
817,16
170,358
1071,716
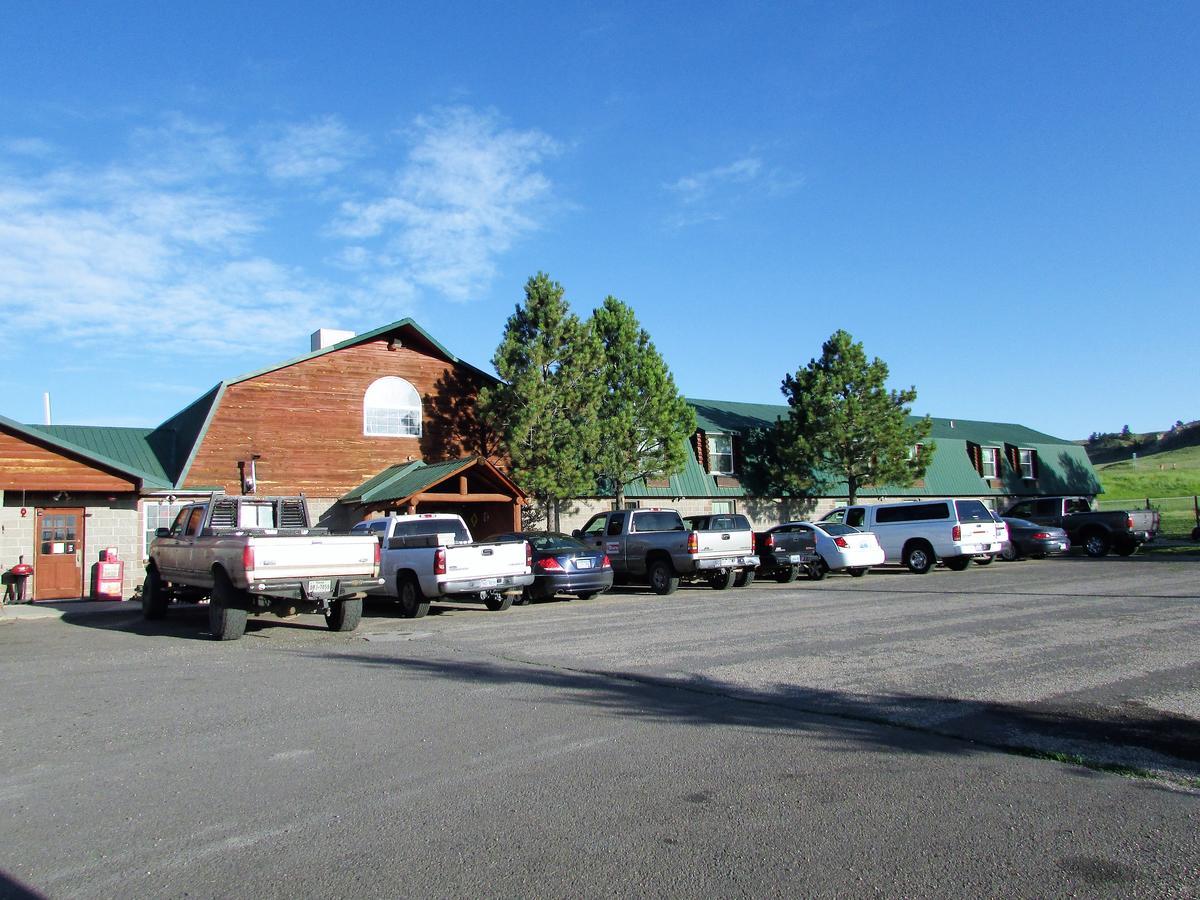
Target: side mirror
x,y
162,532
577,534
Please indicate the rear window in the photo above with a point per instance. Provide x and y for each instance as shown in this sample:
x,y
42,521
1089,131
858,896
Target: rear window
x,y
722,522
433,526
834,529
657,521
972,511
913,512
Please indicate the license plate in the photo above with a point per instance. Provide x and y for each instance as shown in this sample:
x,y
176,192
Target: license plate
x,y
724,562
583,563
490,582
323,586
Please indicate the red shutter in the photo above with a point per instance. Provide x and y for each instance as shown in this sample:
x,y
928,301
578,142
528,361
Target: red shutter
x,y
1033,456
736,442
700,444
976,457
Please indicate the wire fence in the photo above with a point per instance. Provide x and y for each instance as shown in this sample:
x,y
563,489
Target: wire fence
x,y
1177,515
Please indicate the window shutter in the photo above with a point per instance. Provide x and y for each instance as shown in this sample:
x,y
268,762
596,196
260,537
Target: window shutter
x,y
1033,455
700,445
1013,452
735,441
976,456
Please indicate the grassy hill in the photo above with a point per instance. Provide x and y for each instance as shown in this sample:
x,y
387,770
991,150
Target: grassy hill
x,y
1170,478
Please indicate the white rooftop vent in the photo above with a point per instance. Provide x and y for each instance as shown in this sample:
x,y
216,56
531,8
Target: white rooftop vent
x,y
327,337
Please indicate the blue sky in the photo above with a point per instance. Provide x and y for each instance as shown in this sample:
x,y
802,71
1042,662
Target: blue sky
x,y
1002,203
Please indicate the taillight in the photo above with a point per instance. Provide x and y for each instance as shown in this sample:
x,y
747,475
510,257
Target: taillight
x,y
956,533
248,558
693,543
1042,536
769,541
606,563
378,548
840,541
549,564
1129,523
528,555
439,561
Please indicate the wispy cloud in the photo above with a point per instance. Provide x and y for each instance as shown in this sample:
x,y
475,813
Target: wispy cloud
x,y
469,189
177,240
311,150
704,196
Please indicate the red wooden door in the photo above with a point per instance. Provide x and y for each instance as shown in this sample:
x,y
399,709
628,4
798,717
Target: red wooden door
x,y
58,555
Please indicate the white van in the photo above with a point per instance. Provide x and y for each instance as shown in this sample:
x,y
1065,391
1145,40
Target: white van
x,y
917,533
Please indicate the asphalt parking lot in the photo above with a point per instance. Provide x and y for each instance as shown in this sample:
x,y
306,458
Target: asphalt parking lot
x,y
850,735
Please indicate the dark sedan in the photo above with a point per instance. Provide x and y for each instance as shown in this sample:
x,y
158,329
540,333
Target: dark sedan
x,y
562,565
1027,538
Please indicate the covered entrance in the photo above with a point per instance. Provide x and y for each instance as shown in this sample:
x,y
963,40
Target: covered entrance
x,y
471,487
58,554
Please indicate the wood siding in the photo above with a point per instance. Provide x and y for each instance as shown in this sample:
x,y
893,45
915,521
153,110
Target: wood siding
x,y
306,421
27,466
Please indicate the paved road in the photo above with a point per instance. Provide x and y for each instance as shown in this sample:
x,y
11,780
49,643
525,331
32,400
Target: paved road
x,y
735,743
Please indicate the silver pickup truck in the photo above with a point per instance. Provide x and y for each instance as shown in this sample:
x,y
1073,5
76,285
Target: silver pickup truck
x,y
431,556
656,545
254,555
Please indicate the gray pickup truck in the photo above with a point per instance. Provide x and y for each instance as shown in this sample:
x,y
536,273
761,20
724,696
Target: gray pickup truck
x,y
1097,531
656,545
258,554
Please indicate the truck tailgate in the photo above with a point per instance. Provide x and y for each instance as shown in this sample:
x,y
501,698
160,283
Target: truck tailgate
x,y
485,560
712,544
280,556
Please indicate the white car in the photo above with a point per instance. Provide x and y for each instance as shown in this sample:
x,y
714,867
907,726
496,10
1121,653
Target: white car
x,y
841,547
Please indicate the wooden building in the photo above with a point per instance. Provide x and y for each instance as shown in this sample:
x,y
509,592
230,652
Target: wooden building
x,y
379,421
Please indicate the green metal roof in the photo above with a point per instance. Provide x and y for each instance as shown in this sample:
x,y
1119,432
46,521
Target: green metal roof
x,y
124,450
1063,466
401,481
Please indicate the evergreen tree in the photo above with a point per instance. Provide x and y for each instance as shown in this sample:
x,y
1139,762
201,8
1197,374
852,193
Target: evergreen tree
x,y
646,422
547,408
843,423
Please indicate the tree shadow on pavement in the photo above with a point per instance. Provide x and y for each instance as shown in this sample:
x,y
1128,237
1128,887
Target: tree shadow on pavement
x,y
1133,738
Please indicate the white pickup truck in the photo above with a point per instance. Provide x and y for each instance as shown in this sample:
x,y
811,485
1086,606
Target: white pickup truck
x,y
254,555
431,556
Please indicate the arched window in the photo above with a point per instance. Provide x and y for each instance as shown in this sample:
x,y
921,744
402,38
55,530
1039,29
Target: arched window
x,y
392,407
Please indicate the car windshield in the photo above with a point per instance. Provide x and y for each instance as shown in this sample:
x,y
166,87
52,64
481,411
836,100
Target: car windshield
x,y
834,528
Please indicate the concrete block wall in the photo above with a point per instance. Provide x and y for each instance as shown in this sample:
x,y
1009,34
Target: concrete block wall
x,y
16,535
120,526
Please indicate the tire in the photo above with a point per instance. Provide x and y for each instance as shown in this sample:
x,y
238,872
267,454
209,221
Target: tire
x,y
1010,553
226,611
413,604
344,615
498,603
786,575
957,563
662,578
1096,544
588,595
745,578
985,560
720,581
816,571
1196,533
857,571
1126,549
154,596
918,557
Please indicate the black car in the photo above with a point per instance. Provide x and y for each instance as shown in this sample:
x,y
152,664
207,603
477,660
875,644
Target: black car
x,y
1027,538
562,565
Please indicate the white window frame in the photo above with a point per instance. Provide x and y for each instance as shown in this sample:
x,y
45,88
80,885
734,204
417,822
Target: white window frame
x,y
160,521
729,507
989,455
1025,457
713,454
392,408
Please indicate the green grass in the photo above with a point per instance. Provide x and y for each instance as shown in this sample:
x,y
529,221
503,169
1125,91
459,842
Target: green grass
x,y
1170,479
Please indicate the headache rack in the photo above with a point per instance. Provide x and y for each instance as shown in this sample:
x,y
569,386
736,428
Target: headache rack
x,y
261,515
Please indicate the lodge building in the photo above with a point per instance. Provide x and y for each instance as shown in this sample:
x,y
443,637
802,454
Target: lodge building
x,y
386,421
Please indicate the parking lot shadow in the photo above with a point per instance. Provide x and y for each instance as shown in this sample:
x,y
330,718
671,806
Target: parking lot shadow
x,y
1133,738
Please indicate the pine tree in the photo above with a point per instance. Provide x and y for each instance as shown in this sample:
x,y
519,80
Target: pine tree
x,y
646,422
843,423
547,407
